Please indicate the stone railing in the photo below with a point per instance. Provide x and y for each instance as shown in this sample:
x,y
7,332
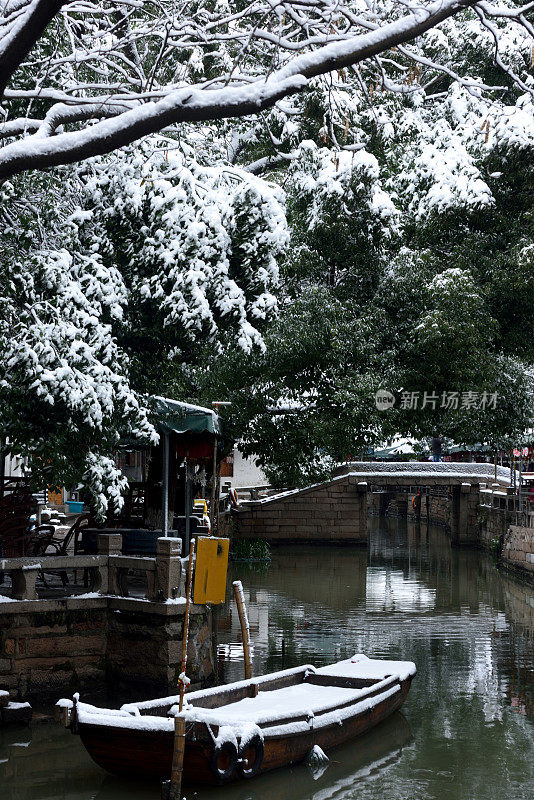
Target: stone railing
x,y
454,469
520,513
106,573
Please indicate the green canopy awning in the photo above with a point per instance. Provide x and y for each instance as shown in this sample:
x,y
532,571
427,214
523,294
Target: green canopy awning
x,y
183,419
171,416
473,448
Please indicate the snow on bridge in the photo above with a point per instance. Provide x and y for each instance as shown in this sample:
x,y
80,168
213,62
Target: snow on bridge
x,y
425,472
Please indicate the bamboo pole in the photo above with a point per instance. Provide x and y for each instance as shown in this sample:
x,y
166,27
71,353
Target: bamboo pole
x,y
171,790
186,621
245,630
177,758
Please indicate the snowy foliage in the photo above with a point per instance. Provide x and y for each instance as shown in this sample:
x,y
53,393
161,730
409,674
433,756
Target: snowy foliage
x,y
106,484
392,244
146,236
322,177
201,242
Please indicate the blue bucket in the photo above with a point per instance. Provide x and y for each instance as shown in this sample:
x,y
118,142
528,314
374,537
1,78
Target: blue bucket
x,y
75,507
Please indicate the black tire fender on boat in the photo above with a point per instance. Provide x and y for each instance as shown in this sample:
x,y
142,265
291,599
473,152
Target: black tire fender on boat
x,y
245,769
229,750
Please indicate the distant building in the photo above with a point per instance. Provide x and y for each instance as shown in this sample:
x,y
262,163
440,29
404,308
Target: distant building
x,y
239,472
15,466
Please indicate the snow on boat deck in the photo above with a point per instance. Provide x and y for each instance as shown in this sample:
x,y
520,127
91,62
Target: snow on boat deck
x,y
359,666
330,703
292,701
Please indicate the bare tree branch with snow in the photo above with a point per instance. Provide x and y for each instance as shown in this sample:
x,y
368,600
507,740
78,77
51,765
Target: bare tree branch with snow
x,y
83,78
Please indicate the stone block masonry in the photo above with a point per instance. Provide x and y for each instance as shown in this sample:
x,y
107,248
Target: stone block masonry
x,y
43,650
50,648
518,549
103,640
334,512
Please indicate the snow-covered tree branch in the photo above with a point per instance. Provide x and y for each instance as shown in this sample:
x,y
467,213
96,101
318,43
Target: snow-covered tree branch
x,y
82,78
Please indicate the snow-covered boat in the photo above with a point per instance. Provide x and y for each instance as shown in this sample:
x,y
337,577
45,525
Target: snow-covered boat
x,y
245,728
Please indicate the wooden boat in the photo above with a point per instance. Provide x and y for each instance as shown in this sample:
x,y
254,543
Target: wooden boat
x,y
245,728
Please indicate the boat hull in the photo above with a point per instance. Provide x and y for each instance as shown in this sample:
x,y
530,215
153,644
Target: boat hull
x,y
148,753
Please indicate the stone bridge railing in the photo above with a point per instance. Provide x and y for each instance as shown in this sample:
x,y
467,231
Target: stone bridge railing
x,y
520,511
106,573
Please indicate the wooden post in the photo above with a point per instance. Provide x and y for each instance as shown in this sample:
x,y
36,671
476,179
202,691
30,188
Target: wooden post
x,y
217,501
188,505
2,468
519,493
186,621
171,790
245,630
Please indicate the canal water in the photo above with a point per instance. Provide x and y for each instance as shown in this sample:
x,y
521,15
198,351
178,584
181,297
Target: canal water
x,y
466,731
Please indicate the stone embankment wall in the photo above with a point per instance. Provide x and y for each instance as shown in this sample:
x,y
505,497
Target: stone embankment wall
x,y
47,651
518,549
49,648
145,649
493,523
334,512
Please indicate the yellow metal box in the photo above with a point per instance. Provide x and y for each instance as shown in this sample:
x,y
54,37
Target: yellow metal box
x,y
211,570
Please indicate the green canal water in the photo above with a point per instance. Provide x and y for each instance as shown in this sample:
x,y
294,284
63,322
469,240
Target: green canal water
x,y
466,731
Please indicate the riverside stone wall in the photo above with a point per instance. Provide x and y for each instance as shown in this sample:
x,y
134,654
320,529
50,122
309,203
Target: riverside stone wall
x,y
518,549
493,524
145,649
50,648
54,649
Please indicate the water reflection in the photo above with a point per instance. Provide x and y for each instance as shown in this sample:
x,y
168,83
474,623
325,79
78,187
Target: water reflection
x,y
349,768
43,762
468,628
466,730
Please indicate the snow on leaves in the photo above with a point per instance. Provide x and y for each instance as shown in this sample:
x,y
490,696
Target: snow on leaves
x,y
61,348
196,247
203,242
114,76
323,176
106,484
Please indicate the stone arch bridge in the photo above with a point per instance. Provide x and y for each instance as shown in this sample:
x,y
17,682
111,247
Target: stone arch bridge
x,y
336,511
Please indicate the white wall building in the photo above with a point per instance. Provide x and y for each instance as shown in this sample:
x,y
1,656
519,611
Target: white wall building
x,y
14,466
247,472
240,472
